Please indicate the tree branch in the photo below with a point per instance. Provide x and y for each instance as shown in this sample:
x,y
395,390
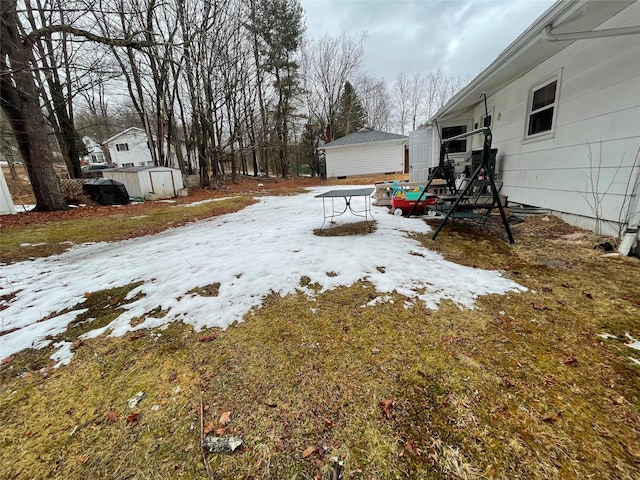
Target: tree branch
x,y
127,41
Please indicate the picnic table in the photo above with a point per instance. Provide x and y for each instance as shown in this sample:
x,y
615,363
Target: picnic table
x,y
346,195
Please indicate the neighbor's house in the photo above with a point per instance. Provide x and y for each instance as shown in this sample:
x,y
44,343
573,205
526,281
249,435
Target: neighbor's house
x,y
95,155
130,148
365,152
563,104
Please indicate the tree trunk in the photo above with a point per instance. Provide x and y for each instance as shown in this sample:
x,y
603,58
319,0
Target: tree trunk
x,y
22,108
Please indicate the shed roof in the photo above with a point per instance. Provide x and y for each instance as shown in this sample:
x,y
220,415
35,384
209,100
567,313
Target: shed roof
x,y
365,135
141,169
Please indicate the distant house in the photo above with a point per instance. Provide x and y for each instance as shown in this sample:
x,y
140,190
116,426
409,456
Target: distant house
x,y
563,105
129,148
365,152
95,155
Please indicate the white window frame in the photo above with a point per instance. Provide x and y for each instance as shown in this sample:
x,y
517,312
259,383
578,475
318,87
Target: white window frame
x,y
556,77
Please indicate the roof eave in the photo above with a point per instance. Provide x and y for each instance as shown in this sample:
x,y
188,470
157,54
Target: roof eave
x,y
517,48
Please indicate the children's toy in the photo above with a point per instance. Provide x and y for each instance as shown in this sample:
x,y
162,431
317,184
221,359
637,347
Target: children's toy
x,y
403,200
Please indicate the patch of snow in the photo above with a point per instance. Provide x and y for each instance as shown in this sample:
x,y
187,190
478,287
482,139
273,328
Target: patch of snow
x,y
63,355
606,336
265,247
635,344
634,360
194,204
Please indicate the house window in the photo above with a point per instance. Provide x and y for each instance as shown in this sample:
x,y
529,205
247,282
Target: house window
x,y
542,106
127,164
457,146
122,147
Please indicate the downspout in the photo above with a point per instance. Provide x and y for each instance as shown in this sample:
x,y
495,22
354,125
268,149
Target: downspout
x,y
549,36
632,234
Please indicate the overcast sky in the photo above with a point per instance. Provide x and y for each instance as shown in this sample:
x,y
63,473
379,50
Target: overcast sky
x,y
462,37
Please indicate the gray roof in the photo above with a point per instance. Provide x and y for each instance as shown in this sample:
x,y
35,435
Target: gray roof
x,y
365,135
139,169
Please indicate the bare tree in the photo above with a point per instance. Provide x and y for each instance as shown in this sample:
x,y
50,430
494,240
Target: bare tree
x,y
417,100
375,100
401,97
329,64
19,98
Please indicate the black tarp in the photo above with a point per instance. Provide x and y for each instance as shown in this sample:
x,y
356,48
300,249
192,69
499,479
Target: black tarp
x,y
107,191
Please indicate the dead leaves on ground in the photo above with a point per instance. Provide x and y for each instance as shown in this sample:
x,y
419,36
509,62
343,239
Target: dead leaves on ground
x,y
133,419
223,421
387,407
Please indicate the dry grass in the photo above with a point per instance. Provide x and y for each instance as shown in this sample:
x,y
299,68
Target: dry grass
x,y
520,387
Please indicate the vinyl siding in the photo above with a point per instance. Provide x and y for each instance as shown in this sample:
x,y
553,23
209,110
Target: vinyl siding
x,y
365,159
597,129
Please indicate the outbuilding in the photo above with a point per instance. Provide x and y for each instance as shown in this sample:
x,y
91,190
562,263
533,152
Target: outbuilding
x,y
366,152
148,182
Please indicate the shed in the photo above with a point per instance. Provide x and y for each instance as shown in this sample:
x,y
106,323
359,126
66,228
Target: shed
x,y
6,202
156,182
365,152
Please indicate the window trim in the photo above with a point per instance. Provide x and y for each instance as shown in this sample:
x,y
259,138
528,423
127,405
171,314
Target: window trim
x,y
122,147
547,134
465,126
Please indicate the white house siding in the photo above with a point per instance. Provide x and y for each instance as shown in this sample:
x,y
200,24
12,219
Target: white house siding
x,y
138,153
365,159
598,112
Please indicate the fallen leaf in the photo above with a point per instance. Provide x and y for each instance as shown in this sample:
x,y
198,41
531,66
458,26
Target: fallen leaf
x,y
570,361
408,446
220,431
112,416
136,336
133,419
387,407
87,294
550,418
8,359
75,345
209,338
82,459
537,306
209,428
225,418
310,451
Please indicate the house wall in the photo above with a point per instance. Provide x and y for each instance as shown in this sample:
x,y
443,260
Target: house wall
x,y
585,170
138,154
365,159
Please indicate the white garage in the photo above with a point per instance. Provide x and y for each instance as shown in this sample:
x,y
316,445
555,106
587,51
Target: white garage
x,y
156,182
365,152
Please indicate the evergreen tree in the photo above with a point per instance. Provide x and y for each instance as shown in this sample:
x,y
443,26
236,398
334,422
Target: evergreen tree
x,y
351,114
280,27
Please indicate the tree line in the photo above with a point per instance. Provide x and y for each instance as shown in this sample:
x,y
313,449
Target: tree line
x,y
224,87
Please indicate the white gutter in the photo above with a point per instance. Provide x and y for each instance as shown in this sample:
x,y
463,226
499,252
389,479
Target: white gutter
x,y
549,36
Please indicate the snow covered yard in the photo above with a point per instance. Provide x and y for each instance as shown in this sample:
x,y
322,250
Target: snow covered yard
x,y
398,356
266,247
